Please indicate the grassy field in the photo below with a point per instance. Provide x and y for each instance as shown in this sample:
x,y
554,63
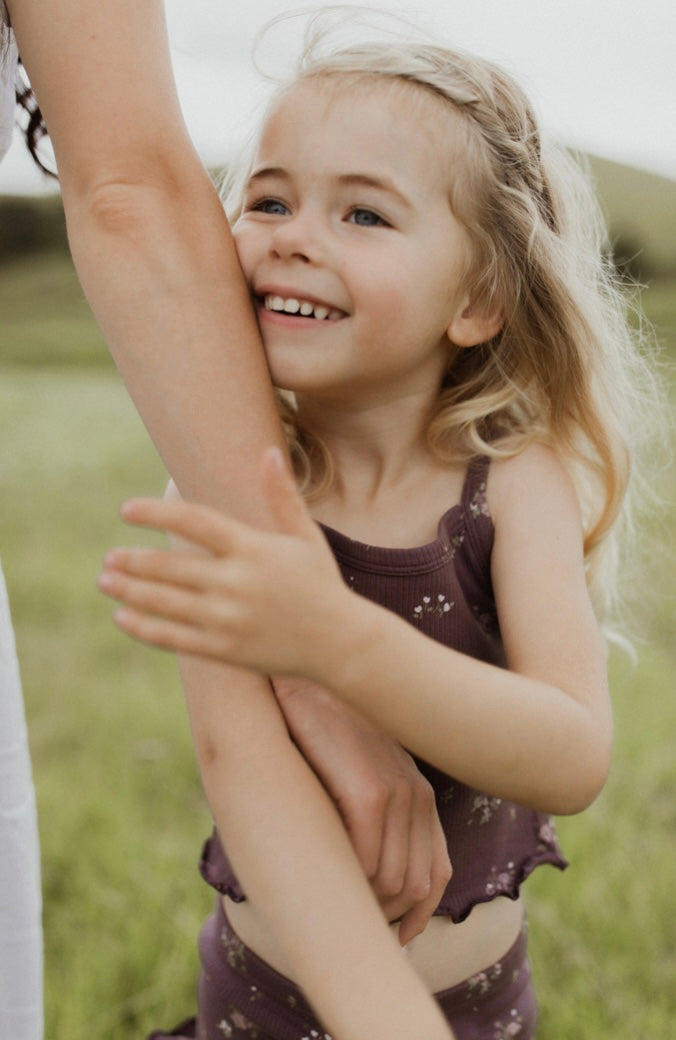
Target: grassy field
x,y
121,811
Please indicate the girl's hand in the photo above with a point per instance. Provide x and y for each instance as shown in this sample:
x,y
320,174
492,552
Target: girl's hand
x,y
387,806
267,601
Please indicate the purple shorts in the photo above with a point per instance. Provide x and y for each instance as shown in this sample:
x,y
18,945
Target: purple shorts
x,y
241,997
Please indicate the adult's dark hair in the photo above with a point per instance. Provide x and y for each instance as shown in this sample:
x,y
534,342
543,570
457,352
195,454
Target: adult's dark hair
x,y
35,129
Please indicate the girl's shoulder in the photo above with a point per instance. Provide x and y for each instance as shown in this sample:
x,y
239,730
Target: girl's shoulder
x,y
532,483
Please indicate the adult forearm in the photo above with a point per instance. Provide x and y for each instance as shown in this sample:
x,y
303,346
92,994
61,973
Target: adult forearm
x,y
184,338
151,244
291,852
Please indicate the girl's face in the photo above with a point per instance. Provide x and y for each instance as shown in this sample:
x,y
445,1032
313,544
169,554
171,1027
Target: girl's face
x,y
347,240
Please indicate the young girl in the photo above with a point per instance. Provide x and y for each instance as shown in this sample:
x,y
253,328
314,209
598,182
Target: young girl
x,y
458,387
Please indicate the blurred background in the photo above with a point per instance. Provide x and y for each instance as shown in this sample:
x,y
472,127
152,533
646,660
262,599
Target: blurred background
x,y
121,811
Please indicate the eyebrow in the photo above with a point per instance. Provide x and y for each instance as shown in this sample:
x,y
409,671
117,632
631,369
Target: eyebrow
x,y
267,171
363,180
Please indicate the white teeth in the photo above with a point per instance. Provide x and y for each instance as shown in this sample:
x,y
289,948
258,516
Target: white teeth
x,y
292,305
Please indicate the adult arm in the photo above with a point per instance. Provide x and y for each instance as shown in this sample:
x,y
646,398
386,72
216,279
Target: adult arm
x,y
386,805
150,242
290,849
154,254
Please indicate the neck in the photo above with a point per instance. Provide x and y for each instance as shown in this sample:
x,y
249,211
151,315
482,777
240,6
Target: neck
x,y
374,447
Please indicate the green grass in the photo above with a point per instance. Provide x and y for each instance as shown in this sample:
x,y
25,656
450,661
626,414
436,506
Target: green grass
x,y
45,317
121,812
603,940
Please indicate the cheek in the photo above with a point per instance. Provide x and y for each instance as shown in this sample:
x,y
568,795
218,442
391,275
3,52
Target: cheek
x,y
245,246
381,287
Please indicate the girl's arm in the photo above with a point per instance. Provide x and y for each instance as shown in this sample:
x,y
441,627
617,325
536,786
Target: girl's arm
x,y
538,733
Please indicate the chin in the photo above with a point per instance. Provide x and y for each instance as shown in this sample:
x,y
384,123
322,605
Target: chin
x,y
290,375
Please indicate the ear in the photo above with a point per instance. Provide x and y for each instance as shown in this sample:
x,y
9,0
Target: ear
x,y
475,323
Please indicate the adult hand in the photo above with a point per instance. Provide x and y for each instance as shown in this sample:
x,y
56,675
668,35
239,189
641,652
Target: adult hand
x,y
386,804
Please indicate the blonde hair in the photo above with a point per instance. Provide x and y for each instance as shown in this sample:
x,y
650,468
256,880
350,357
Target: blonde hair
x,y
566,369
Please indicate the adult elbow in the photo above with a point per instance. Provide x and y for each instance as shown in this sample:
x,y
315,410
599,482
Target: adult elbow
x,y
121,207
115,193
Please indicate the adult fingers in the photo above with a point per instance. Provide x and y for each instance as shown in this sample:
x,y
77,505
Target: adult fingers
x,y
365,823
416,887
415,920
395,850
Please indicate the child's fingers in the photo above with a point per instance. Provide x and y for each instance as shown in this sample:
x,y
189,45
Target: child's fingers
x,y
168,635
163,600
289,512
195,523
191,569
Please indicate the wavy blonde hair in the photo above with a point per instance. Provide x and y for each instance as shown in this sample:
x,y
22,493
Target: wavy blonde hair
x,y
567,369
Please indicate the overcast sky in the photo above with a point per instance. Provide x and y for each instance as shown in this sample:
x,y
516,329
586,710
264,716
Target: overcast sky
x,y
602,73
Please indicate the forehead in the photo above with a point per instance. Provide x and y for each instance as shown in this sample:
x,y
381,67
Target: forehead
x,y
375,121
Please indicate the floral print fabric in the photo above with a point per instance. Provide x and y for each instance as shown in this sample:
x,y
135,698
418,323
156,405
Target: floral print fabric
x,y
444,589
243,998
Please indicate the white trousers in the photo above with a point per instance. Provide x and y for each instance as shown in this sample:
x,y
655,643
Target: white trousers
x,y
21,1013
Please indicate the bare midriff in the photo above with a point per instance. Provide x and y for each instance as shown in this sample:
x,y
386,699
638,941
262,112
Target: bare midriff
x,y
443,956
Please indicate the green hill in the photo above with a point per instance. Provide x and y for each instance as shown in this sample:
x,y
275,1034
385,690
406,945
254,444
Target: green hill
x,y
640,208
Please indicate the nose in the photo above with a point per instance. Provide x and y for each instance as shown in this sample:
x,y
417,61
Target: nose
x,y
298,236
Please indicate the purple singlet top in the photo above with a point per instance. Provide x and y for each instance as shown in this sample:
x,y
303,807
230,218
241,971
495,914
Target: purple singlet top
x,y
444,588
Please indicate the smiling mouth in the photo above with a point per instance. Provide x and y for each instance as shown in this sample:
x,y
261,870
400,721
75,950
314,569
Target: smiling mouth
x,y
303,308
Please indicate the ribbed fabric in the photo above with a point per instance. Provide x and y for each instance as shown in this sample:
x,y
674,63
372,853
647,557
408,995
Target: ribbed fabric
x,y
444,589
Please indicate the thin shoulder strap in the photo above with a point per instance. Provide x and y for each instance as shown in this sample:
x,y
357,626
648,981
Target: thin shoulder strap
x,y
474,489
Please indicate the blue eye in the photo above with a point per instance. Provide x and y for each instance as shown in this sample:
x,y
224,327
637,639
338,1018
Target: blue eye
x,y
272,206
366,218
